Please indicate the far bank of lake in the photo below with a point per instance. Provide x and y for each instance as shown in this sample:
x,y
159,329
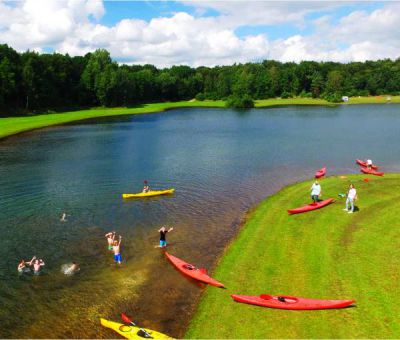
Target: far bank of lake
x,y
14,125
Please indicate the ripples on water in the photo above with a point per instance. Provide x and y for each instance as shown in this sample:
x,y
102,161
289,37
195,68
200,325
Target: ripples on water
x,y
221,163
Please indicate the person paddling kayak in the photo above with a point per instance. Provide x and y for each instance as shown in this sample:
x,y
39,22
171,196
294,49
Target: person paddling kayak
x,y
351,197
315,191
146,187
163,233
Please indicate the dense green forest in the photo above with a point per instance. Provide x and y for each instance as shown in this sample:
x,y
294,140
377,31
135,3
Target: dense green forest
x,y
32,82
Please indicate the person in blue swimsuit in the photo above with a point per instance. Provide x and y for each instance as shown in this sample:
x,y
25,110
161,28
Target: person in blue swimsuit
x,y
117,250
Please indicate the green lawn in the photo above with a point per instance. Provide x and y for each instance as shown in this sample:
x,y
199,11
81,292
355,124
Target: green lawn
x,y
11,126
321,254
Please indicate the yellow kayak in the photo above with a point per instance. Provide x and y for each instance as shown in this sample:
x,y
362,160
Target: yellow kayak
x,y
132,332
149,193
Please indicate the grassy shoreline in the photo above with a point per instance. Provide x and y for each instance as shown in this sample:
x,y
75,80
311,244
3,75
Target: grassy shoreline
x,y
322,254
14,125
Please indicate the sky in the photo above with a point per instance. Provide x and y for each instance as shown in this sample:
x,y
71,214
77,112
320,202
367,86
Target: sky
x,y
205,33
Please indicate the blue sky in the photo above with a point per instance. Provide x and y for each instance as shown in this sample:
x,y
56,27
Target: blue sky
x,y
204,32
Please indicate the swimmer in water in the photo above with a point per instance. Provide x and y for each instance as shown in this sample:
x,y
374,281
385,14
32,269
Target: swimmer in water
x,y
22,266
63,217
110,239
72,269
117,250
37,266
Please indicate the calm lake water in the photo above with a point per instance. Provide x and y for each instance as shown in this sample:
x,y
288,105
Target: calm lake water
x,y
221,163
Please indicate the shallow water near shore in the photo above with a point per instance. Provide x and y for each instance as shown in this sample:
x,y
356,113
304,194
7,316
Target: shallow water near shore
x,y
221,163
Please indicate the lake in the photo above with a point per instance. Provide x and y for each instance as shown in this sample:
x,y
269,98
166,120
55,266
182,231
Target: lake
x,y
221,163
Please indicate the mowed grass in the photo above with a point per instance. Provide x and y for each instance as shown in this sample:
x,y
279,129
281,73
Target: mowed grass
x,y
325,254
14,125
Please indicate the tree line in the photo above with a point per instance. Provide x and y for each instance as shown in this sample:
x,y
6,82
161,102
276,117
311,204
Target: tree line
x,y
31,82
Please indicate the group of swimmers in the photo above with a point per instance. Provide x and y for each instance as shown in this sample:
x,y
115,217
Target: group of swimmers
x,y
35,263
114,245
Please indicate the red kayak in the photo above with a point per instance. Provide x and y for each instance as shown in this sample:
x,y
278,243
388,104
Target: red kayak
x,y
320,172
192,271
364,164
371,172
291,302
311,206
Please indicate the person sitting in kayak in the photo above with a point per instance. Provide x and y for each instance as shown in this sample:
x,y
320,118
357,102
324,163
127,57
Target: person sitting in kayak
x,y
163,232
351,197
281,299
22,266
189,266
110,239
315,192
117,250
369,164
37,266
146,188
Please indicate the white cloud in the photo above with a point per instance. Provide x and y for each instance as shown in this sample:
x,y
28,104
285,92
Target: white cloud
x,y
70,26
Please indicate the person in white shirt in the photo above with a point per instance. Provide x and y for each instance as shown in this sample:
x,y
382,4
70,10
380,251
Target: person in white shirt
x,y
315,191
369,164
351,197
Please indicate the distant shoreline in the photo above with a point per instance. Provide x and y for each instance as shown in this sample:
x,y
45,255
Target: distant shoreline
x,y
14,125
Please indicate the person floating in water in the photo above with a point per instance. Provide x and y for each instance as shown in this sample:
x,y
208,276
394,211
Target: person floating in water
x,y
146,187
37,266
72,269
117,250
63,217
110,239
22,266
315,192
163,233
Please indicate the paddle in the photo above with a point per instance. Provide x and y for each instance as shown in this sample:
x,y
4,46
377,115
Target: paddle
x,y
127,320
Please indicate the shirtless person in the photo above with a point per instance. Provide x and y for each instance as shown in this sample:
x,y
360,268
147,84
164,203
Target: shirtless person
x,y
72,269
110,239
37,265
22,266
117,250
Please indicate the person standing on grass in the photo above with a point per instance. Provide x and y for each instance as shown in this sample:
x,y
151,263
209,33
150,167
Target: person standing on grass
x,y
163,233
117,250
351,197
315,192
369,164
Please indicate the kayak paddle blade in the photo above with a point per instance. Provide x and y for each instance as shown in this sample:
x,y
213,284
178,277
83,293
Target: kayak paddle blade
x,y
126,319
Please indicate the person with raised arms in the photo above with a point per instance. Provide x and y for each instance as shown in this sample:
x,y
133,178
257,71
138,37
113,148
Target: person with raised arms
x,y
163,233
22,266
117,250
110,239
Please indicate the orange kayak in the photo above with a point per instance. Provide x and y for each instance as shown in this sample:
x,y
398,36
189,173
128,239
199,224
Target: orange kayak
x,y
311,206
291,302
320,172
371,172
364,164
199,274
